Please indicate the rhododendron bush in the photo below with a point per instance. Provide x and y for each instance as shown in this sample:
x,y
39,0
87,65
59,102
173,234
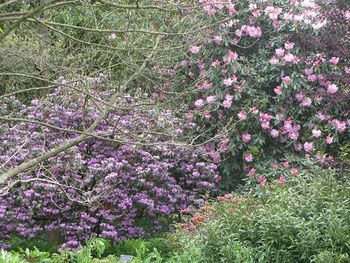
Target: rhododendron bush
x,y
272,78
101,187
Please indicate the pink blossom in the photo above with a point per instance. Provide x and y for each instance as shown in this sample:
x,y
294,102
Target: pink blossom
x,y
280,116
308,146
231,9
278,90
228,101
246,137
211,99
281,180
334,60
219,5
215,156
280,52
341,126
316,133
294,171
299,96
254,110
296,60
228,82
319,24
275,166
252,31
306,102
207,115
274,133
199,103
293,135
298,147
347,70
239,32
289,45
233,55
274,61
330,157
248,158
276,24
262,180
312,77
347,14
205,85
224,144
215,63
238,88
263,183
273,12
273,16
288,16
252,172
286,164
265,125
321,116
256,13
195,49
329,139
209,10
289,57
242,115
308,71
217,39
286,80
332,88
265,117
287,125
234,78
252,6
201,65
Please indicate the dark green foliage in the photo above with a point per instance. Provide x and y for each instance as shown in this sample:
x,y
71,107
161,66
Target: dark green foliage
x,y
300,222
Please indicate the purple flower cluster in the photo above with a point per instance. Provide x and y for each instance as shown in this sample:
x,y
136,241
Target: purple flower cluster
x,y
99,187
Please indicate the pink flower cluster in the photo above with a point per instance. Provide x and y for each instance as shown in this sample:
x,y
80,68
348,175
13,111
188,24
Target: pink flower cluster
x,y
228,101
290,130
251,31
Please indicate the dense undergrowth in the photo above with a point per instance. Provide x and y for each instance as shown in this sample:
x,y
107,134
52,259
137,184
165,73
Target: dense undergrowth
x,y
305,220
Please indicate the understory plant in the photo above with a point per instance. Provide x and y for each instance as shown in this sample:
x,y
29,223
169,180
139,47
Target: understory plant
x,y
306,220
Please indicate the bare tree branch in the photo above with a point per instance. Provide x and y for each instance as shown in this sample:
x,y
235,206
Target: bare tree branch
x,y
70,143
25,17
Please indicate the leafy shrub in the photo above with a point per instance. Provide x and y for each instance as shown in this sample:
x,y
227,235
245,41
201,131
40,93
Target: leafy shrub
x,y
109,188
7,257
302,221
272,78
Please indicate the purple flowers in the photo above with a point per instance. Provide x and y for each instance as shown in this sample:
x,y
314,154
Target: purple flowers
x,y
106,187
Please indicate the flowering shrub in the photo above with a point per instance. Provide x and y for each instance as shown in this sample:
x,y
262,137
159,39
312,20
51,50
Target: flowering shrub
x,y
268,83
105,186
